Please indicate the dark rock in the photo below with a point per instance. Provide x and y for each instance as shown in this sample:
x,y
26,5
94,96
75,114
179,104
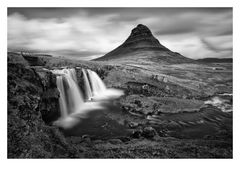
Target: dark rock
x,y
138,103
87,140
98,141
149,132
133,125
85,136
49,106
162,133
48,79
125,139
28,135
115,141
137,133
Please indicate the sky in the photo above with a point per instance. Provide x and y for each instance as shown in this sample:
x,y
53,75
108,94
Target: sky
x,y
88,33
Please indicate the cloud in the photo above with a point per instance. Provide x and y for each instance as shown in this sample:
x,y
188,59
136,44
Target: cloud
x,y
195,34
81,34
207,24
87,33
218,44
195,46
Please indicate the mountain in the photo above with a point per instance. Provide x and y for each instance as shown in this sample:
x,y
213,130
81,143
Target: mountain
x,y
216,60
141,45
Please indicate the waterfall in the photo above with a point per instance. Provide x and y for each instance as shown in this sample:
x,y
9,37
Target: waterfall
x,y
72,105
99,90
70,95
98,87
88,90
73,74
62,98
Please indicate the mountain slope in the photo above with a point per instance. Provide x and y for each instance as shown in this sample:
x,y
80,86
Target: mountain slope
x,y
141,45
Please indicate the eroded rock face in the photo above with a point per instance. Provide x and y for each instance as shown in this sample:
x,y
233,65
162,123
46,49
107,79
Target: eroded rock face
x,y
28,134
49,105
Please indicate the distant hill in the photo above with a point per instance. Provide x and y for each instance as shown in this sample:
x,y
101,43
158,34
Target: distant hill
x,y
142,45
216,60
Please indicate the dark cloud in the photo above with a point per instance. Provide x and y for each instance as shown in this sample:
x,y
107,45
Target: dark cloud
x,y
228,31
171,28
31,13
199,23
39,12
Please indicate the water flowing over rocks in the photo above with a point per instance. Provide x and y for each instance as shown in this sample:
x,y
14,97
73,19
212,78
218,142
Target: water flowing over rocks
x,y
73,106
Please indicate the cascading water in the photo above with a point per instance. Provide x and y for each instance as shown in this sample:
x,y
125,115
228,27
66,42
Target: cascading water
x,y
99,90
88,90
62,98
70,95
98,87
72,105
73,74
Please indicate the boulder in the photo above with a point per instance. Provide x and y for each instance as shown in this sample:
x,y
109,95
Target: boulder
x,y
136,133
149,132
138,103
133,125
115,141
125,139
86,138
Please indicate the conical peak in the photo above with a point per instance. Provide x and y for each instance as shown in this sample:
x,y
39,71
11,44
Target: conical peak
x,y
142,45
141,30
141,37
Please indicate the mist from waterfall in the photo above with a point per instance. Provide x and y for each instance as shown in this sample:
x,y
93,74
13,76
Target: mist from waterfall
x,y
72,106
